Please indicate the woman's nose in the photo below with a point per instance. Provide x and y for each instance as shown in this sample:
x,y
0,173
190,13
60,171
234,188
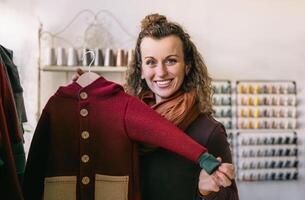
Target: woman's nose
x,y
161,70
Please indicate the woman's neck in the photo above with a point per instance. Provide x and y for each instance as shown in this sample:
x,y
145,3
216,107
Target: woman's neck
x,y
158,99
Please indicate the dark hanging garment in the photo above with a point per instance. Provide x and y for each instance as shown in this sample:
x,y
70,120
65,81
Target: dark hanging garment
x,y
14,80
12,157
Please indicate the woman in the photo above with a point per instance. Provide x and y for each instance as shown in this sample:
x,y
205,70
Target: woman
x,y
168,73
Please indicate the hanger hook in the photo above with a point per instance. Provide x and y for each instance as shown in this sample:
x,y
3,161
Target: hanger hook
x,y
93,58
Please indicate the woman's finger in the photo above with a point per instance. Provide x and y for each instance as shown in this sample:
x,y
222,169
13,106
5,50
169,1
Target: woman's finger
x,y
223,179
227,169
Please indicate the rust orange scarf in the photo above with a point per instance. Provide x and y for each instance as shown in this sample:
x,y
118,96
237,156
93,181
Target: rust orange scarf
x,y
180,109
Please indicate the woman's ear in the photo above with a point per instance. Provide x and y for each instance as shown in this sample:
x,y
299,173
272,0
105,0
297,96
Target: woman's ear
x,y
142,76
187,69
141,71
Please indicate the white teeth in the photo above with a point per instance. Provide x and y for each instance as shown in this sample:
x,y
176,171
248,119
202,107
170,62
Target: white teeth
x,y
163,83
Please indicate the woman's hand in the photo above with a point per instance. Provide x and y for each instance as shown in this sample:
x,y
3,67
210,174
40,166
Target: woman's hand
x,y
79,72
220,178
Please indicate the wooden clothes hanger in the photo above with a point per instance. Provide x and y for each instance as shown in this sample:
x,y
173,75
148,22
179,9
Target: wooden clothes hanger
x,y
88,77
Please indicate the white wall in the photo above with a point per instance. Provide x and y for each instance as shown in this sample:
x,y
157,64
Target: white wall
x,y
19,33
239,39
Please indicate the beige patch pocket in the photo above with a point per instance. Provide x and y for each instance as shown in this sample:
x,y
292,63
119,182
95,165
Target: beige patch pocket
x,y
60,188
111,187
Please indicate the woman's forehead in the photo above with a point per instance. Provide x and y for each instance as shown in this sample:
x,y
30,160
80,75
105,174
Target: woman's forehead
x,y
167,45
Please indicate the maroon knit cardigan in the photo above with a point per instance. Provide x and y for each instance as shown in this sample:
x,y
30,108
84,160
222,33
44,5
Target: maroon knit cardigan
x,y
115,122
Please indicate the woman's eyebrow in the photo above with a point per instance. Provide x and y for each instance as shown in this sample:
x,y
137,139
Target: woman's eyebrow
x,y
172,55
148,57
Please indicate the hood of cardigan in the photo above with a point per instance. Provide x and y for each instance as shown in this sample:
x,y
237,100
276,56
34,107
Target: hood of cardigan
x,y
99,88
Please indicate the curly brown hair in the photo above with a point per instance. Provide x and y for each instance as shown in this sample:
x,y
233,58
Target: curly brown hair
x,y
157,27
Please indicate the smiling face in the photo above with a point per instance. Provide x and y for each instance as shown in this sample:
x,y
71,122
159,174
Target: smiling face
x,y
163,66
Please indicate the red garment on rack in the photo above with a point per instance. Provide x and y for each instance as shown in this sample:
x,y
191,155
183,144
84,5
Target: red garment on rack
x,y
85,144
9,135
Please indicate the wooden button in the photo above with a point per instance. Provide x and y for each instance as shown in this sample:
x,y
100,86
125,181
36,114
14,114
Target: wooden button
x,y
85,134
84,112
83,95
85,158
85,180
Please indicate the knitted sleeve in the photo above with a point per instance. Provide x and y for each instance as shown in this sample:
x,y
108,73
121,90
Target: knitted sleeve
x,y
219,147
145,125
33,183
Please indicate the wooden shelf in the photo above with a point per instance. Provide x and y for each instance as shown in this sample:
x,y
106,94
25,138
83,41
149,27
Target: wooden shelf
x,y
265,95
266,106
109,69
264,131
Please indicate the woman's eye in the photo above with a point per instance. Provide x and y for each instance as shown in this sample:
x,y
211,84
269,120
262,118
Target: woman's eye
x,y
171,61
150,62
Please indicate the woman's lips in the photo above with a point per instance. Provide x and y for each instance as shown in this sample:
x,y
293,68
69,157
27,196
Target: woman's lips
x,y
163,83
